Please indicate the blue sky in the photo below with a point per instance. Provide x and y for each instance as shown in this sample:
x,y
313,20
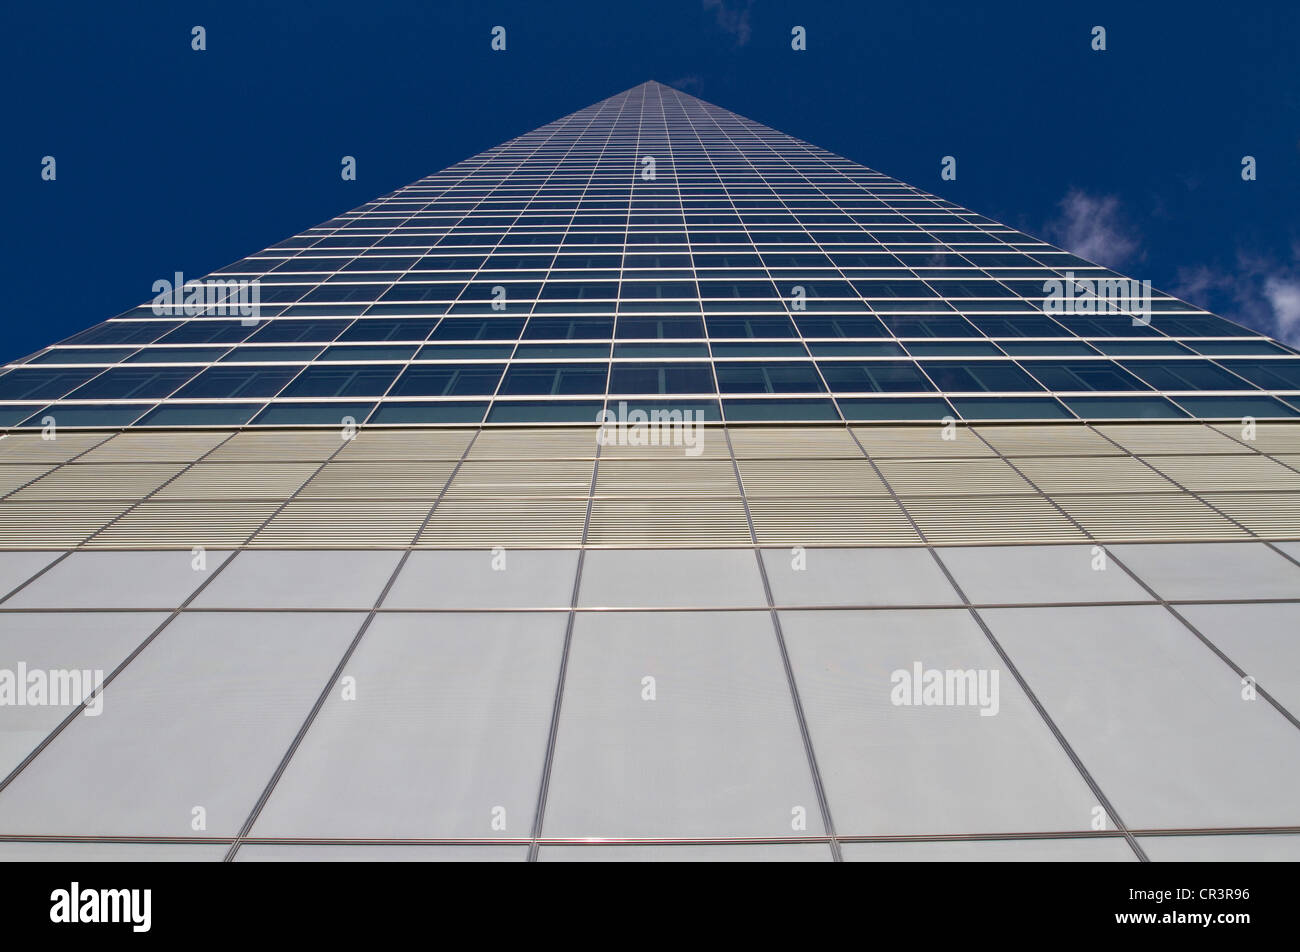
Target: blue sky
x,y
174,160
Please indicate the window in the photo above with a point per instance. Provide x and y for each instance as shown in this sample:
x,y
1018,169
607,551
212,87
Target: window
x,y
121,383
1083,375
749,326
1280,374
768,377
200,414
1122,408
549,411
739,411
658,327
123,332
937,326
458,411
226,382
845,326
1010,408
986,375
874,376
895,408
569,328
470,328
377,329
23,384
288,331
557,379
343,380
433,380
1027,325
312,414
208,332
1235,408
661,378
1185,375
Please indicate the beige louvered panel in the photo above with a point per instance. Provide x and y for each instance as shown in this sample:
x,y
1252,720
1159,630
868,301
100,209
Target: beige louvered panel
x,y
1146,439
238,481
523,478
1268,515
1269,438
952,477
1092,474
15,476
279,446
989,520
1148,517
46,524
1290,460
147,446
823,477
30,448
341,524
919,442
100,481
156,524
689,477
1051,439
372,444
668,522
801,520
793,442
704,442
1226,473
535,443
397,479
507,522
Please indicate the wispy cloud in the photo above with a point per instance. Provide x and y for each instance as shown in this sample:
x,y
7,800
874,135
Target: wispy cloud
x,y
733,17
1260,292
1093,227
691,83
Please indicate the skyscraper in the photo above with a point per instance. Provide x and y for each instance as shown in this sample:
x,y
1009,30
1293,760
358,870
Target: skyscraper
x,y
653,485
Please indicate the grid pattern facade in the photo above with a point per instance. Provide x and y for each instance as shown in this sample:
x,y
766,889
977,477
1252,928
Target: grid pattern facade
x,y
470,627
755,485
499,713
661,251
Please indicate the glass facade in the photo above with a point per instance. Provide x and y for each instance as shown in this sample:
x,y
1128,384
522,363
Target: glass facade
x,y
652,245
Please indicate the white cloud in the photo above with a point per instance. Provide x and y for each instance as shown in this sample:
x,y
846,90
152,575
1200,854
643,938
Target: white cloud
x,y
1259,292
733,17
1283,296
1092,227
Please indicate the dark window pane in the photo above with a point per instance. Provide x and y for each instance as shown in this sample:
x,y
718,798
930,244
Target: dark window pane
x,y
287,331
1185,375
432,380
1280,374
122,383
471,328
750,326
661,378
557,379
658,327
762,377
1083,375
238,382
123,332
873,376
986,375
343,380
23,384
569,328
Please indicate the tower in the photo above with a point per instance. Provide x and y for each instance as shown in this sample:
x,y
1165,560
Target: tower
x,y
659,478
